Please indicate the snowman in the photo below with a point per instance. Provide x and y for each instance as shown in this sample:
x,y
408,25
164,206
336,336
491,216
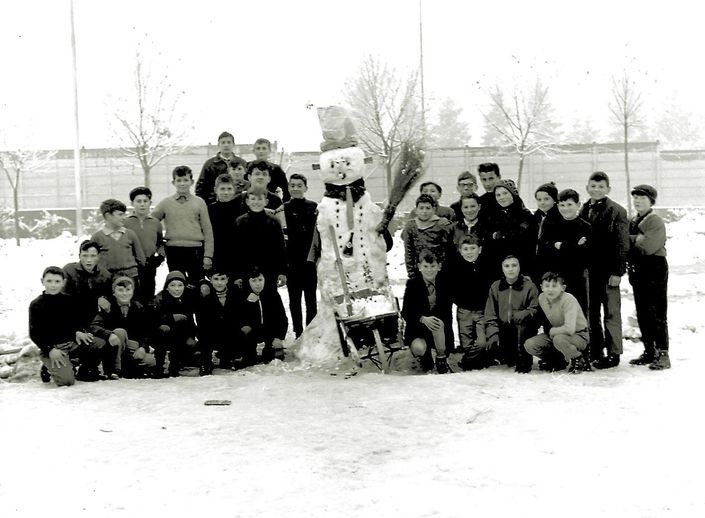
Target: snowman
x,y
350,246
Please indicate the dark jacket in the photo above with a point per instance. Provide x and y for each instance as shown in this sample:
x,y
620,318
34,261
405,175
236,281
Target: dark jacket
x,y
86,288
571,259
260,242
165,306
265,316
136,323
510,233
212,169
53,320
223,215
478,230
277,179
240,202
416,305
470,282
301,215
610,237
516,303
436,238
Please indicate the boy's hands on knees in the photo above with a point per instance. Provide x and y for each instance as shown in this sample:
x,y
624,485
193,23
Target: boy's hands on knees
x,y
58,358
84,338
114,340
433,323
104,304
614,281
164,328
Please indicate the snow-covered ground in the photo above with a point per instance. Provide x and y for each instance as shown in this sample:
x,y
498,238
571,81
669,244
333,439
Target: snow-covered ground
x,y
626,442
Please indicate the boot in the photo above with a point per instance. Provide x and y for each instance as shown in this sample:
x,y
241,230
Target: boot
x,y
442,366
578,365
606,362
44,374
661,360
646,357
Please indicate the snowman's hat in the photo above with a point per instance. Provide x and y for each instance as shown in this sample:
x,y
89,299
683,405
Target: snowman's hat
x,y
337,128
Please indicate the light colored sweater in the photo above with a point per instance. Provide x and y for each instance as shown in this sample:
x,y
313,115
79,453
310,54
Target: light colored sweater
x,y
187,222
564,314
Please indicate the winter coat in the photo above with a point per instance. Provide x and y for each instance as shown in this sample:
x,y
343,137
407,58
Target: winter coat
x,y
53,319
437,237
216,319
416,305
223,215
610,237
461,230
260,242
510,304
165,306
265,316
572,258
300,217
86,288
647,236
277,179
510,233
212,169
136,323
470,282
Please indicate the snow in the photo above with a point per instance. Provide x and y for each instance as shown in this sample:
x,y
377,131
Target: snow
x,y
300,441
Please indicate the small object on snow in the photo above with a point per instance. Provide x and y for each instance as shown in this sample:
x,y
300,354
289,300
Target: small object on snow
x,y
106,431
217,402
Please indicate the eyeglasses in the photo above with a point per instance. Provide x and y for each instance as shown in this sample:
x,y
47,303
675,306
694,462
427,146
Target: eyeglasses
x,y
466,184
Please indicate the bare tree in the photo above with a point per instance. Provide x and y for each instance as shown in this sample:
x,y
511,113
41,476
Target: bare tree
x,y
521,121
150,126
625,107
386,109
15,164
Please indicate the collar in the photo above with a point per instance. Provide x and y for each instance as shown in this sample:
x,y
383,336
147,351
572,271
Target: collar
x,y
107,231
597,204
339,192
135,216
517,286
184,197
469,223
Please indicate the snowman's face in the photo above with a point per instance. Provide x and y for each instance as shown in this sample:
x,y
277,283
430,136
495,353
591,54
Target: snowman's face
x,y
342,166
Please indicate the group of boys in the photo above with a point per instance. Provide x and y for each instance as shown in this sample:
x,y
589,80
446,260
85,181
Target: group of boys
x,y
248,231
489,256
228,248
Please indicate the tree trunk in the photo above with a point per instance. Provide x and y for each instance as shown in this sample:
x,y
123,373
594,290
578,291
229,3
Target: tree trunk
x,y
16,206
521,170
388,170
626,168
147,171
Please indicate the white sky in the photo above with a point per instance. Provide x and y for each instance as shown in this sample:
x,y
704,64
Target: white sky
x,y
250,67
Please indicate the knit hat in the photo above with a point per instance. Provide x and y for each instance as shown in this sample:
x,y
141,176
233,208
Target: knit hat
x,y
122,280
550,189
509,185
646,190
175,275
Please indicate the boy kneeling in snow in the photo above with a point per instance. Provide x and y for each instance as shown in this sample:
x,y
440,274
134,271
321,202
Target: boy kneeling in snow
x,y
122,330
427,312
55,328
565,331
262,321
174,308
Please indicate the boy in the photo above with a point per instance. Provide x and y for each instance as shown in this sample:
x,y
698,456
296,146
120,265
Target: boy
x,y
606,265
121,252
648,275
427,312
426,232
122,331
467,184
509,314
174,310
469,222
262,322
489,177
189,234
300,215
88,283
259,175
565,329
217,314
469,294
223,212
261,149
261,240
215,166
55,328
150,235
435,191
565,246
238,170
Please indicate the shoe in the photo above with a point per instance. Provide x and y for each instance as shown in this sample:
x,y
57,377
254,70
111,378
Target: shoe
x,y
472,363
661,361
442,366
523,367
88,374
553,365
205,370
646,358
578,365
44,374
607,362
